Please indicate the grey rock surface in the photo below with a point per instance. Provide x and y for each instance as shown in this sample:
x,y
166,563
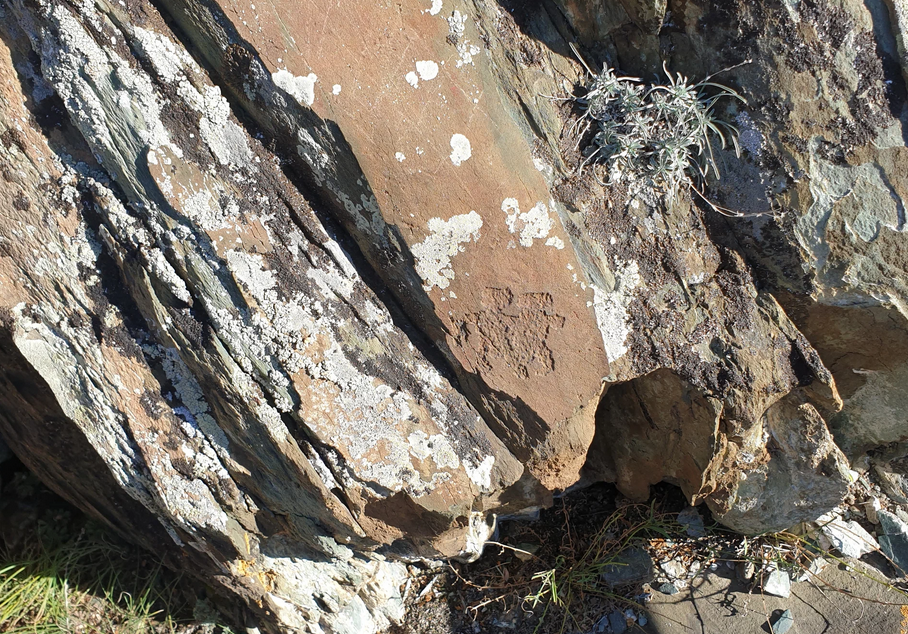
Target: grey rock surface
x,y
783,623
617,623
692,521
847,537
893,538
778,584
716,604
668,588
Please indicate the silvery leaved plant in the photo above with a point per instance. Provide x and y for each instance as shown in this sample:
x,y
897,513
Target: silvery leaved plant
x,y
656,137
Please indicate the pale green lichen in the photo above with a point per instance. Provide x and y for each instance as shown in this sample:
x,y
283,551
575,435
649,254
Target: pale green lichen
x,y
445,240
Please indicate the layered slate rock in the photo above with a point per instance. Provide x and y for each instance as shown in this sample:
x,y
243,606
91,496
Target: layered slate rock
x,y
420,160
833,166
294,294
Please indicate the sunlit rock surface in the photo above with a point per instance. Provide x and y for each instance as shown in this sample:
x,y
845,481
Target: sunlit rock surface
x,y
296,293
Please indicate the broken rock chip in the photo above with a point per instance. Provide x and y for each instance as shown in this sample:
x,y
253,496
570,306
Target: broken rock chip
x,y
778,584
894,540
849,538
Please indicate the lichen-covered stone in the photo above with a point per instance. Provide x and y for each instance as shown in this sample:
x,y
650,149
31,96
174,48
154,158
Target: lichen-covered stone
x,y
304,295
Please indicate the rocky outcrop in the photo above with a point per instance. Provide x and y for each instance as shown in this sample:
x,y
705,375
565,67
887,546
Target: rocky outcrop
x,y
296,295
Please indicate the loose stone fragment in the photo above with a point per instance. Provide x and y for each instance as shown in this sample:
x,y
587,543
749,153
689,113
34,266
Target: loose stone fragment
x,y
690,518
894,540
778,584
617,622
631,566
849,538
783,623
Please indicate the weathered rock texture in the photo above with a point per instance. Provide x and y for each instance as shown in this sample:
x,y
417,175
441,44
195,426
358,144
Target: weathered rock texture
x,y
295,293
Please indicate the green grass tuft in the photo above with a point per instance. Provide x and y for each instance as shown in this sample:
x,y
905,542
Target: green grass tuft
x,y
62,573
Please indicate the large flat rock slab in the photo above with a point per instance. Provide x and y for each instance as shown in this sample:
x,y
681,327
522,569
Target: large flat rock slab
x,y
838,601
448,203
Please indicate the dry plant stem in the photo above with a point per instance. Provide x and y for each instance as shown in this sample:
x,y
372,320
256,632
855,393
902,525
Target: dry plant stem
x,y
516,550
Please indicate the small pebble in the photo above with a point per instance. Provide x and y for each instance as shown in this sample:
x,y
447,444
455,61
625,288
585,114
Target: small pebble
x,y
617,622
745,570
783,623
668,588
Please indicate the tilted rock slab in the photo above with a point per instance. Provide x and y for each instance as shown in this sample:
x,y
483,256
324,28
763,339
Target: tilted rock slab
x,y
293,295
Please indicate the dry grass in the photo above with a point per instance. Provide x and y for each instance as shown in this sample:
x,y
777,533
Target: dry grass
x,y
546,577
560,587
62,573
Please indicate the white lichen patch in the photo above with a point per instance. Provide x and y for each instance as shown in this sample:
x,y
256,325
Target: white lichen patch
x,y
400,156
427,70
457,28
300,88
225,139
445,240
168,59
435,9
480,474
166,273
611,309
336,89
542,166
437,447
412,79
529,225
247,268
460,149
457,25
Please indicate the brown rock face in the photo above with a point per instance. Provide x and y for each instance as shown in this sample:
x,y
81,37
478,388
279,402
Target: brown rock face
x,y
297,293
436,183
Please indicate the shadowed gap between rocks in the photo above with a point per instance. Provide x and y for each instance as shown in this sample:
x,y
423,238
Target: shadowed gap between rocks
x,y
651,429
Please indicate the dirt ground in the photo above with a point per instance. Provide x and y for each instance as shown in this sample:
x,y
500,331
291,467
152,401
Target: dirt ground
x,y
840,601
568,544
